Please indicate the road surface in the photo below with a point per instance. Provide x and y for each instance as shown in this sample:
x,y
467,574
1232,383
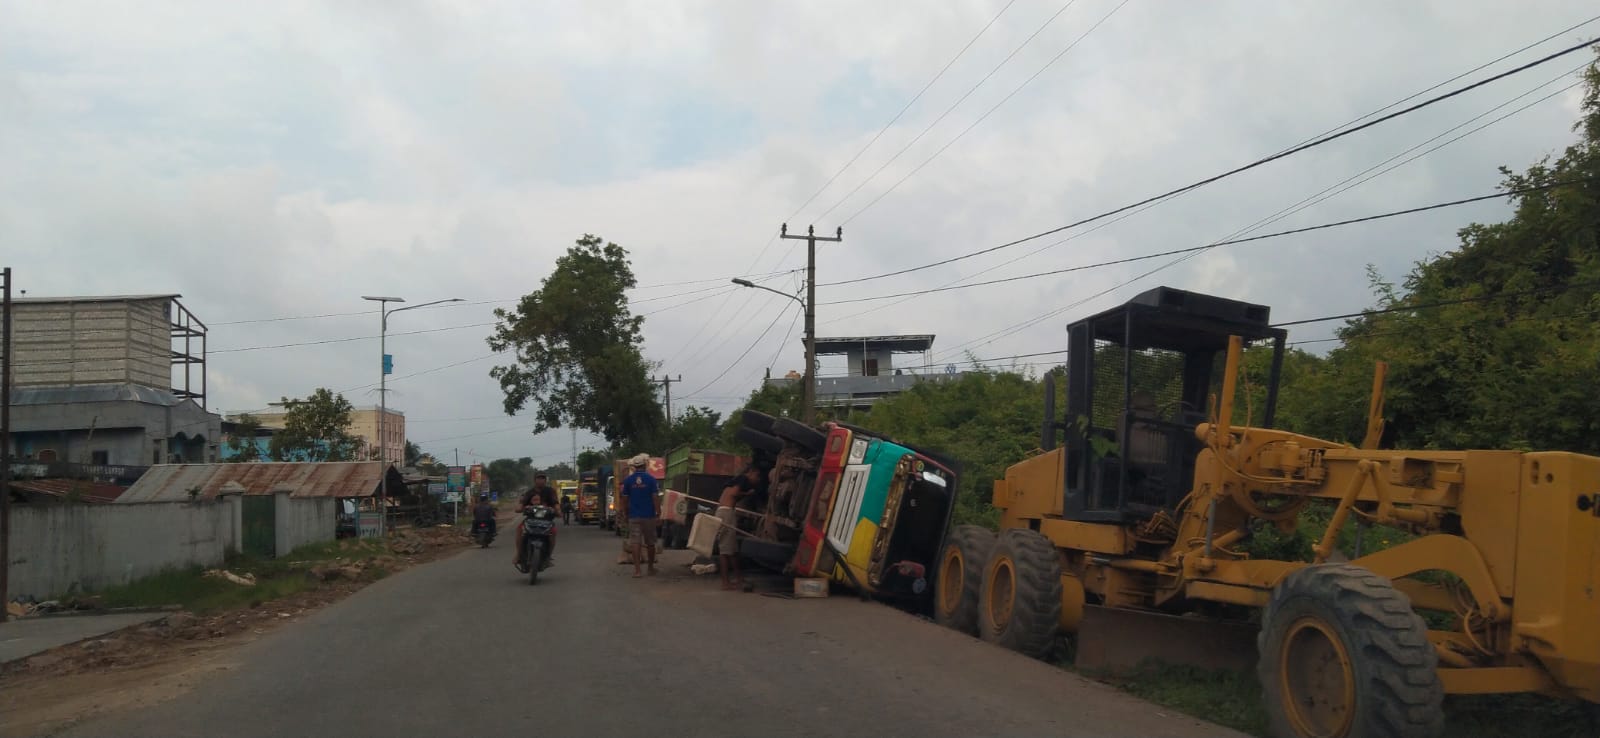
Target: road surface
x,y
465,646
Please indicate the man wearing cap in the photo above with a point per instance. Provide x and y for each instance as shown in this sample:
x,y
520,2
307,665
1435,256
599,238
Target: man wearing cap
x,y
640,491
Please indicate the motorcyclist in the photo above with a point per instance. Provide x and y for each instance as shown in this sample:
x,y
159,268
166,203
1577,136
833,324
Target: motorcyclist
x,y
483,512
541,494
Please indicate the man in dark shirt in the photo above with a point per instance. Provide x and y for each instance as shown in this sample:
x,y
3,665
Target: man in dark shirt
x,y
541,494
483,512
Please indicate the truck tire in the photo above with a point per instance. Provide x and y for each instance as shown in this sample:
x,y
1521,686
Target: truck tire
x,y
800,434
759,441
1019,606
959,578
1344,654
756,420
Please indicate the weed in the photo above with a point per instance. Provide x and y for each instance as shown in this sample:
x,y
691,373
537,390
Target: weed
x,y
275,579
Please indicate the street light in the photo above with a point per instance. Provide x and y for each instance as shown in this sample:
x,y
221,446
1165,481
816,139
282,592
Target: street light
x,y
383,387
807,394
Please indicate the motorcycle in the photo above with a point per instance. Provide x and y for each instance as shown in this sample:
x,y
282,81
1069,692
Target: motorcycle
x,y
482,534
538,533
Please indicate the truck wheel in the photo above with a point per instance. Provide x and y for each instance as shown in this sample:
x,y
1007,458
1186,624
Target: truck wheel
x,y
1019,606
756,420
1343,655
959,579
800,434
759,441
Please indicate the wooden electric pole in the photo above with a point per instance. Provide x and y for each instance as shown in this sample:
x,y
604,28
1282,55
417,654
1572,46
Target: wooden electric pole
x,y
666,384
811,238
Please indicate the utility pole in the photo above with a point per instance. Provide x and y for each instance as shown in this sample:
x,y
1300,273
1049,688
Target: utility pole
x,y
5,441
811,239
666,383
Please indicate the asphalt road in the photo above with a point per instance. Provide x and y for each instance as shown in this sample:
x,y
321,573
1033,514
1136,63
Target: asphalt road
x,y
465,646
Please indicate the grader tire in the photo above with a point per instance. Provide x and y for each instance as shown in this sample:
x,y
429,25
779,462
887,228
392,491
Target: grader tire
x,y
959,580
1343,655
1020,603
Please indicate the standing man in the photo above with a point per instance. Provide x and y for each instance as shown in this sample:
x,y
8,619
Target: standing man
x,y
641,490
541,494
748,482
566,509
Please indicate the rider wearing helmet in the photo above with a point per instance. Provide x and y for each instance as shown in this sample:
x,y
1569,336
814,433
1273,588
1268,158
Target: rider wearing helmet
x,y
483,512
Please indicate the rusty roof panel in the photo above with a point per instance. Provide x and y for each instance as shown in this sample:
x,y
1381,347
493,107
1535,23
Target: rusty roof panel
x,y
181,482
86,491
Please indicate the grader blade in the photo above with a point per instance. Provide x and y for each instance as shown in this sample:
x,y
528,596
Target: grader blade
x,y
1121,641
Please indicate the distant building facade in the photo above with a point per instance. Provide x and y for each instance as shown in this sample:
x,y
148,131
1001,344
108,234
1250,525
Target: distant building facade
x,y
110,381
363,425
871,374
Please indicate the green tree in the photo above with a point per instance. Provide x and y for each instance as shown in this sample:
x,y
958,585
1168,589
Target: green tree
x,y
243,441
576,352
413,454
589,459
1508,359
315,429
507,475
563,470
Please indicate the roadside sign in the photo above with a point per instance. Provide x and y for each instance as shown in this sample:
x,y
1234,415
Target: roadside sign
x,y
456,478
437,488
369,524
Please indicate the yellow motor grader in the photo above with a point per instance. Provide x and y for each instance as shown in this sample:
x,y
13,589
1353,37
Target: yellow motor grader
x,y
1150,502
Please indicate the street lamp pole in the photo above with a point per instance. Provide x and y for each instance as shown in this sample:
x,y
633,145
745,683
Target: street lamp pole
x,y
809,304
383,392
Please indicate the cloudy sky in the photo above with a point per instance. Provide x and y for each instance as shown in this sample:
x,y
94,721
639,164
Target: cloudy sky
x,y
271,161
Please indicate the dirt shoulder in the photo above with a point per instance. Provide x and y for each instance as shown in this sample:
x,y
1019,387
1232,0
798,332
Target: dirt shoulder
x,y
159,660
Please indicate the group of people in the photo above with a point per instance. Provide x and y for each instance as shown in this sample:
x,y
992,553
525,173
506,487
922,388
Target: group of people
x,y
643,500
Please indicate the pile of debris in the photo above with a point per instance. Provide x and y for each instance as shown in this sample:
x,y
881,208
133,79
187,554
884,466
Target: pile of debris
x,y
28,607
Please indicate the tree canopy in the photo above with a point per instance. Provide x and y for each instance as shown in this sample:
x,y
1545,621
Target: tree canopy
x,y
315,429
575,349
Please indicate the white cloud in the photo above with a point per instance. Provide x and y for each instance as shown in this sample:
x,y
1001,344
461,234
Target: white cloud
x,y
282,160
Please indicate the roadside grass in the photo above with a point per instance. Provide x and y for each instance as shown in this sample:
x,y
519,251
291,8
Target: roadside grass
x,y
190,589
1233,700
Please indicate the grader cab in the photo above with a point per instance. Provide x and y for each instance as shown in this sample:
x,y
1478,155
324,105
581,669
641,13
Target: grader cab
x,y
1169,469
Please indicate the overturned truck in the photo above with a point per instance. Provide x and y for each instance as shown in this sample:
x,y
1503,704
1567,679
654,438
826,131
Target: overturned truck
x,y
845,503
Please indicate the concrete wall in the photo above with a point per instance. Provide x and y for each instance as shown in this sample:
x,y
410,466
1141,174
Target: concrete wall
x,y
59,549
62,549
303,521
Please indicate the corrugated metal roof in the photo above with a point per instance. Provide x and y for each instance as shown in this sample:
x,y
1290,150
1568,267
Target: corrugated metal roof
x,y
86,490
172,482
96,298
94,393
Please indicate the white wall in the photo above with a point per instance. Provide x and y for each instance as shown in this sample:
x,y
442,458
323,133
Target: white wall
x,y
303,521
60,549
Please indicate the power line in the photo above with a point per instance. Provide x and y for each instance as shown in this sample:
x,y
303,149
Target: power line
x,y
1158,203
1278,234
1411,330
947,111
746,352
903,109
1318,141
718,282
990,338
983,117
1501,295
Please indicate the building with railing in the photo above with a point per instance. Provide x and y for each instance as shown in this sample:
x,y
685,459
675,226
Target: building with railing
x,y
870,370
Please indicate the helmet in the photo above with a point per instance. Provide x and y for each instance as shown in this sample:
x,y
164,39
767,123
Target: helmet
x,y
639,461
